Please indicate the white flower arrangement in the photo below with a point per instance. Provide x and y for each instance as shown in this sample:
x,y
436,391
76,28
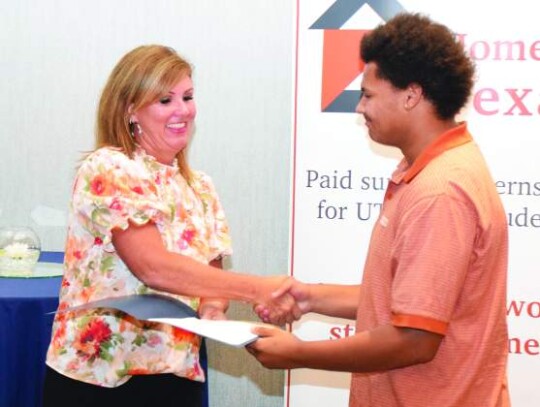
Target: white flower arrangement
x,y
17,251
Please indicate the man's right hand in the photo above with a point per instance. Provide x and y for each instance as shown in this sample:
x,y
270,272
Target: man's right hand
x,y
289,290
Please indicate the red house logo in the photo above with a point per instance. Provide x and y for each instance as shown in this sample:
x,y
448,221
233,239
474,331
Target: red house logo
x,y
341,62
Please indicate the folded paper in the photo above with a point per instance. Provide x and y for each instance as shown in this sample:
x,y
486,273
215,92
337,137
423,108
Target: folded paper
x,y
167,310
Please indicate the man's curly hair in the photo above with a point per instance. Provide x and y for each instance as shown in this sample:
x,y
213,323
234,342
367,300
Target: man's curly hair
x,y
411,48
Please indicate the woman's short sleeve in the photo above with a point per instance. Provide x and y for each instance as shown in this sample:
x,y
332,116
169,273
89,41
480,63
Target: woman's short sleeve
x,y
112,190
219,237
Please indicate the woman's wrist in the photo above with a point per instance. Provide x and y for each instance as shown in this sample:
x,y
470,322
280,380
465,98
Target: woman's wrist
x,y
215,303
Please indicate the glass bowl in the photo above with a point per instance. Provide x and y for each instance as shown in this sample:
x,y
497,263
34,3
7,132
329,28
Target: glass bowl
x,y
19,250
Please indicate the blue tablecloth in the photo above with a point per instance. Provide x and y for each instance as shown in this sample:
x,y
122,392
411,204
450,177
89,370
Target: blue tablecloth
x,y
25,332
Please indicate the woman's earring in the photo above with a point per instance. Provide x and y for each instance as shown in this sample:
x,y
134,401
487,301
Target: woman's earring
x,y
132,126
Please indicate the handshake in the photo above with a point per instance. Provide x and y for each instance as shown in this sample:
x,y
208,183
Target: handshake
x,y
282,300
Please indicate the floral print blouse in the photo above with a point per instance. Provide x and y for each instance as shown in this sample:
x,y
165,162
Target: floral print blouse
x,y
106,347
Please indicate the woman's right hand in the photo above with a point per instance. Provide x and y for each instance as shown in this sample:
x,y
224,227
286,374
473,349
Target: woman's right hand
x,y
287,302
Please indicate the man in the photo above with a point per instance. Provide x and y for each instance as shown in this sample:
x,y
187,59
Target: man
x,y
431,321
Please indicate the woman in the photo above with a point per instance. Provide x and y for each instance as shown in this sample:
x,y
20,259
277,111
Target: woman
x,y
141,221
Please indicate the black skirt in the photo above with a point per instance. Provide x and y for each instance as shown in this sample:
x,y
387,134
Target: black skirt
x,y
163,390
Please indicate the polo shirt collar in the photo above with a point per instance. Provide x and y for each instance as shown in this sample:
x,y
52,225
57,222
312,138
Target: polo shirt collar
x,y
452,138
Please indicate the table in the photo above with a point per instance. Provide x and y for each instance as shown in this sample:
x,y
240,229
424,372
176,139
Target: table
x,y
25,332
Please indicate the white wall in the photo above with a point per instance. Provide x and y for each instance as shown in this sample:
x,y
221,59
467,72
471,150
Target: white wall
x,y
55,58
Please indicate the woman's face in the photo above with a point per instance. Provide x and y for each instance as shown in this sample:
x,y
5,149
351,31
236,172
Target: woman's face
x,y
167,124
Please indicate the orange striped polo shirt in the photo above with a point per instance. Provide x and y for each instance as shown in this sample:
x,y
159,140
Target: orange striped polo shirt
x,y
437,261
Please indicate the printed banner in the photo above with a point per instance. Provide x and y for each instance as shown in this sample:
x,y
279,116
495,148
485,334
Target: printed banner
x,y
339,174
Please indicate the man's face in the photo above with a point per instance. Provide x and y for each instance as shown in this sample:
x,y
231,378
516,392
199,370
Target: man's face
x,y
382,107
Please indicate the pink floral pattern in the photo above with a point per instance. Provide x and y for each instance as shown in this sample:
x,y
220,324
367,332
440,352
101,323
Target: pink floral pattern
x,y
104,347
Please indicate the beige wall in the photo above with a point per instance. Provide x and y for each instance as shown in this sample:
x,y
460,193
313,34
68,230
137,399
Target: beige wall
x,y
56,55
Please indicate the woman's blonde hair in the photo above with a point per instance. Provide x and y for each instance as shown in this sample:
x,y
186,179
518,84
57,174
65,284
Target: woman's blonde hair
x,y
140,78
